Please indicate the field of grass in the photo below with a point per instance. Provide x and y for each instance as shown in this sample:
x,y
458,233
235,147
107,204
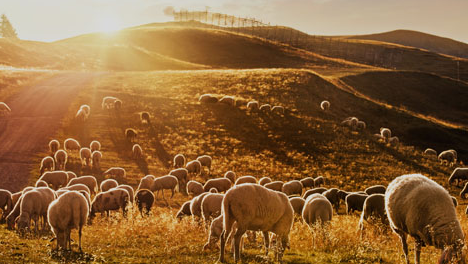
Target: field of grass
x,y
12,80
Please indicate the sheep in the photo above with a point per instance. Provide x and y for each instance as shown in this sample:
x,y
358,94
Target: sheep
x,y
137,151
144,198
211,206
231,176
308,182
15,197
276,186
34,206
297,204
108,184
228,100
184,210
216,228
55,178
89,181
61,158
253,106
418,206
71,175
464,191
355,202
325,105
195,205
386,133
378,137
113,199
447,156
319,181
194,188
145,118
351,122
374,205
213,190
194,167
361,125
115,173
317,208
455,154
4,109
69,211
117,105
458,174
77,187
54,145
179,161
81,115
246,179
430,152
47,163
264,180
146,182
265,108
96,157
85,156
264,210
394,141
6,203
342,195
86,109
454,200
205,161
129,189
319,190
11,217
332,196
108,102
277,109
292,187
167,182
71,144
375,189
207,99
41,183
94,145
130,134
221,184
182,176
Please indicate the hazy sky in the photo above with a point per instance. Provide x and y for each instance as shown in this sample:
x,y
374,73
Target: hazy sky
x,y
50,20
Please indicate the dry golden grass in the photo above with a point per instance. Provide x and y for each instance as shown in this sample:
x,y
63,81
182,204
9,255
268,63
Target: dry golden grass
x,y
11,81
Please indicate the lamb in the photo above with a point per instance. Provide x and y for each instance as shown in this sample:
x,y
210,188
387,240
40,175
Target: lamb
x,y
394,141
430,152
325,105
144,198
41,183
129,189
447,156
130,134
85,156
47,163
375,189
54,145
6,203
167,182
264,180
114,199
317,208
231,176
277,109
418,206
96,157
94,145
137,151
276,186
89,181
69,211
374,205
182,176
319,181
194,167
211,206
253,106
246,179
4,109
108,184
265,210
108,102
297,204
292,187
179,161
86,109
184,210
386,133
207,99
195,205
355,202
55,178
71,144
115,172
61,158
458,174
221,184
228,100
194,188
146,182
319,190
205,161
332,196
145,118
308,182
265,108
81,115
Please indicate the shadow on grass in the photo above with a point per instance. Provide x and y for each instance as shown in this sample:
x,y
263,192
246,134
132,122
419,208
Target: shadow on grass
x,y
66,256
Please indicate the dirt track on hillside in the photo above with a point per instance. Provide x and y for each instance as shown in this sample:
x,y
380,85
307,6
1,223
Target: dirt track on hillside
x,y
36,115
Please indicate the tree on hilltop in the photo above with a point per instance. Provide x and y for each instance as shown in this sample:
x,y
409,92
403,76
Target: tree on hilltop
x,y
6,29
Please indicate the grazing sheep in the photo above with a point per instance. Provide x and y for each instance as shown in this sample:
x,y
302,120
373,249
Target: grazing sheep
x,y
265,108
246,179
108,102
374,205
86,109
378,137
41,183
71,144
277,109
71,175
113,199
194,167
231,176
253,106
54,145
145,118
94,145
195,205
130,134
361,125
61,158
228,100
264,180
325,105
264,210
47,163
6,203
211,206
96,157
184,210
297,204
116,173
455,154
205,161
55,178
117,105
144,199
418,206
11,217
216,228
146,182
221,184
34,206
342,195
308,182
89,181
179,161
276,186
108,184
292,187
69,211
129,189
459,175
317,208
351,122
137,151
167,182
81,115
447,156
430,152
194,188
85,157
355,202
319,190
77,187
375,189
15,197
319,181
394,141
332,196
182,176
207,99
4,109
386,133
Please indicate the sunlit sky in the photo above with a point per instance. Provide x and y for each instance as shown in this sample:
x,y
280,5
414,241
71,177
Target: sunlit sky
x,y
49,20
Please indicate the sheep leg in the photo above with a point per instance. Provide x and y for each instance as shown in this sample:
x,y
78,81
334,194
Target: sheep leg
x,y
417,251
79,237
172,190
404,244
237,240
266,238
222,245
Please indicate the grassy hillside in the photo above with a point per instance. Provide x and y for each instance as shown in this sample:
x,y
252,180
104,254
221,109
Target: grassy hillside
x,y
12,80
420,40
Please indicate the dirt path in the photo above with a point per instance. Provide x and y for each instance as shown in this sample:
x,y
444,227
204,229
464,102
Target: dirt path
x,y
36,115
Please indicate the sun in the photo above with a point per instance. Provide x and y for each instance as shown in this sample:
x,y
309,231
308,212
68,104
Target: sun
x,y
108,23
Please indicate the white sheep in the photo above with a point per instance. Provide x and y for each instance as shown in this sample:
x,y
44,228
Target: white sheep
x,y
71,175
4,109
319,190
69,211
419,206
205,161
54,145
194,188
246,179
308,182
144,199
108,184
195,205
145,118
81,115
115,172
277,109
385,132
374,205
108,102
319,181
194,167
6,203
361,125
394,141
41,183
297,204
447,156
317,208
231,176
253,106
292,187
216,228
221,184
208,99
179,161
71,144
114,199
94,145
182,176
228,100
430,152
459,175
146,182
375,189
96,157
61,158
77,187
88,180
184,210
130,134
86,109
167,182
211,206
325,105
275,185
137,151
265,108
85,157
55,178
255,207
47,163
264,180
130,191
117,104
33,206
